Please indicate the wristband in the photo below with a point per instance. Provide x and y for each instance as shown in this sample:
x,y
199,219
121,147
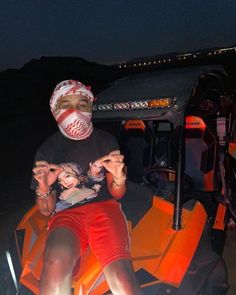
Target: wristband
x,y
119,182
43,196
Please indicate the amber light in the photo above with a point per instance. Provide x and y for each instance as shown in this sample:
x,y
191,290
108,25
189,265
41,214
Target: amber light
x,y
134,124
159,103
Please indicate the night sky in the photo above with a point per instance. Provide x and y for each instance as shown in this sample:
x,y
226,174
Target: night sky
x,y
111,31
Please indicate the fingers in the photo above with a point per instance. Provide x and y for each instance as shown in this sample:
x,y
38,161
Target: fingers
x,y
116,152
46,173
40,170
42,167
114,157
113,165
41,163
55,168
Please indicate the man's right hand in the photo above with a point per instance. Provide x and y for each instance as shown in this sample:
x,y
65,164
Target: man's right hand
x,y
46,174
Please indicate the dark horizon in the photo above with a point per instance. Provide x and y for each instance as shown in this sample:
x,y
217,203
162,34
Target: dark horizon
x,y
111,32
135,59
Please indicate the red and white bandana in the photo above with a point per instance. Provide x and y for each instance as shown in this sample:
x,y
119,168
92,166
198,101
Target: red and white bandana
x,y
69,87
73,124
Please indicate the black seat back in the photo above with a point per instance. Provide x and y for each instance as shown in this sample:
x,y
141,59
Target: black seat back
x,y
201,154
136,144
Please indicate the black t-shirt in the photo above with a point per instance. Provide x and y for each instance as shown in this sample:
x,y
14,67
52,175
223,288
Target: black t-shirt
x,y
78,184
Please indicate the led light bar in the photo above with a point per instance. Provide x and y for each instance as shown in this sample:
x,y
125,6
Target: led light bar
x,y
155,103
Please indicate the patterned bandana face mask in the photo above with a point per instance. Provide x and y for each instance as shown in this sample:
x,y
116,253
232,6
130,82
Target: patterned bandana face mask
x,y
73,124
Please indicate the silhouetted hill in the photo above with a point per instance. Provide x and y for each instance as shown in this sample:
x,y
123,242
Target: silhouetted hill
x,y
29,88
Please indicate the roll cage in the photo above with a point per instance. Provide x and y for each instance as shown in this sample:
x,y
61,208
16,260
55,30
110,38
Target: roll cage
x,y
165,96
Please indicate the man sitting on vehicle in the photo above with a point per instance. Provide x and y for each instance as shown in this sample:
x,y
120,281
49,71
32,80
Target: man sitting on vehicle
x,y
97,221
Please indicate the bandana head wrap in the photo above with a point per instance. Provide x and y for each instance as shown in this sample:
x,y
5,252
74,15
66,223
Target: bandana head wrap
x,y
73,124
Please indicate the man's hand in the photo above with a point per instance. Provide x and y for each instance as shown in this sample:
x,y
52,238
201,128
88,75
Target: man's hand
x,y
46,174
113,163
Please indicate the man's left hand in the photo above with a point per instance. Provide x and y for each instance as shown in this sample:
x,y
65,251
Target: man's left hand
x,y
113,163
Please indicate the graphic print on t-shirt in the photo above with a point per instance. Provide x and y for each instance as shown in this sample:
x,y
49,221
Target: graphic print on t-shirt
x,y
77,187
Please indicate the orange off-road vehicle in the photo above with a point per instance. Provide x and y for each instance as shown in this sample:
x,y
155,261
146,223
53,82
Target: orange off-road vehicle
x,y
174,128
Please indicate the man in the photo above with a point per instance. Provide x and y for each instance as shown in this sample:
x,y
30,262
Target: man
x,y
95,221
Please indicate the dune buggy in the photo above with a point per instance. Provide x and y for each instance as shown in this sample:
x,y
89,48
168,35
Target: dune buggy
x,y
174,128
